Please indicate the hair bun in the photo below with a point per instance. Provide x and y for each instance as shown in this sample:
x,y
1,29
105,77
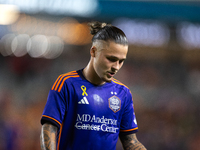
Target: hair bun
x,y
103,25
95,26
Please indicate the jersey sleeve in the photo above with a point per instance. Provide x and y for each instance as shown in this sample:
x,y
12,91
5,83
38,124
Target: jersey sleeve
x,y
55,107
128,123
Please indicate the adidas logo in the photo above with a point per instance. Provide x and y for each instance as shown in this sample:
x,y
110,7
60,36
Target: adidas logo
x,y
83,101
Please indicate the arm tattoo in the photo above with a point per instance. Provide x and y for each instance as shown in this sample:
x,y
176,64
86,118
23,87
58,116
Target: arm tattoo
x,y
130,142
48,137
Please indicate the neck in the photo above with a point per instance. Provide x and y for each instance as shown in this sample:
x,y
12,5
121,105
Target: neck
x,y
91,75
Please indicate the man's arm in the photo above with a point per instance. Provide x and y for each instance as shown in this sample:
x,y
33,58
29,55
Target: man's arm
x,y
48,137
130,142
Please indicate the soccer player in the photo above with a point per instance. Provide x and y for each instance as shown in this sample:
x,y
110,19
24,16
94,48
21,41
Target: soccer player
x,y
88,109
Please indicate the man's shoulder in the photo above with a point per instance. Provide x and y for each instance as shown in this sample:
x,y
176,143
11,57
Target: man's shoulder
x,y
63,78
69,75
119,84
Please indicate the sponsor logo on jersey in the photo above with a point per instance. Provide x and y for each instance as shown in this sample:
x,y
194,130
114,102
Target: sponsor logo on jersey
x,y
95,123
114,103
83,101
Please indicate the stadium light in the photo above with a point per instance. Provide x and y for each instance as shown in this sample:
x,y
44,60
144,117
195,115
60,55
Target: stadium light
x,y
188,35
8,14
144,32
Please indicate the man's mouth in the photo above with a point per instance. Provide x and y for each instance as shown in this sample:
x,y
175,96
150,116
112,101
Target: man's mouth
x,y
111,74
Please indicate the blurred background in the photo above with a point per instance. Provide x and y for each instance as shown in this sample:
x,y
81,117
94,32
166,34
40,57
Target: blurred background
x,y
39,40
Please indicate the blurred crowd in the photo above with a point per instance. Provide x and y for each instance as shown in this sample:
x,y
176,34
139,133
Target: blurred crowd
x,y
166,99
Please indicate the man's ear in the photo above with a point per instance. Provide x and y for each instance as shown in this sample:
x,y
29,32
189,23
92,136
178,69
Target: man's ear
x,y
93,51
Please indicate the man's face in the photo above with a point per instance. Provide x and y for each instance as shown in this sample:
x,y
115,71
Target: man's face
x,y
108,59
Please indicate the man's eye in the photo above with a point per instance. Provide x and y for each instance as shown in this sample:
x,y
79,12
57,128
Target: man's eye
x,y
112,59
121,61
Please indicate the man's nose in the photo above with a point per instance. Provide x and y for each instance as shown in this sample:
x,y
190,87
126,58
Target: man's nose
x,y
116,65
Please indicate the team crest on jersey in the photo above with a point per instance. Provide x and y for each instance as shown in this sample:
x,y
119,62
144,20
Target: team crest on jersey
x,y
114,103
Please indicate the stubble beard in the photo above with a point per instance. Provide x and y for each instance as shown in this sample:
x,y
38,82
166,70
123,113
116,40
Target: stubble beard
x,y
107,79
